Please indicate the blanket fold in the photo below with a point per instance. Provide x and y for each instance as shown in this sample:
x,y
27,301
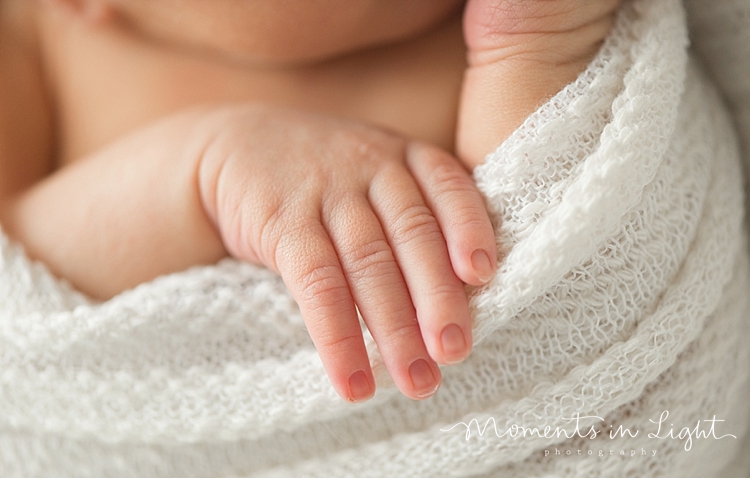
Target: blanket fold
x,y
622,295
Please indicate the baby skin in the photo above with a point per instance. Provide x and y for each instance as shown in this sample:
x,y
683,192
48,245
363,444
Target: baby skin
x,y
330,141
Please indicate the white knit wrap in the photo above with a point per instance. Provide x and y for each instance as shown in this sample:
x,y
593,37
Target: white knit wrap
x,y
622,294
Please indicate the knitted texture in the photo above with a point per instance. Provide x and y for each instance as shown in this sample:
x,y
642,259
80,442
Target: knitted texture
x,y
622,294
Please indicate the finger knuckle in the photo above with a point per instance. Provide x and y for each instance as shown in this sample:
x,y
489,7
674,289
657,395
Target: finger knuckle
x,y
415,223
401,332
321,287
285,231
372,259
450,179
333,344
445,292
476,221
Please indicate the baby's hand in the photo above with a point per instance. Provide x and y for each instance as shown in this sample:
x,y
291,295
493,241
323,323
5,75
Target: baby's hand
x,y
521,53
354,218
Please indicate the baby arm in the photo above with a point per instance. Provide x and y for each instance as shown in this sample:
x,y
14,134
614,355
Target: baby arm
x,y
521,53
351,217
121,216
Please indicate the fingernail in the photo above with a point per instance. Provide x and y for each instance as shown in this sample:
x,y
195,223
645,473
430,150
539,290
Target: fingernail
x,y
422,378
482,265
359,387
454,342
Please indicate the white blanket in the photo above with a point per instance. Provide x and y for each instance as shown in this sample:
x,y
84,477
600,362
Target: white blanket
x,y
622,295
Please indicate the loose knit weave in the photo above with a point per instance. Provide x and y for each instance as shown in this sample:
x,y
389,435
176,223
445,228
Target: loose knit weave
x,y
622,294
